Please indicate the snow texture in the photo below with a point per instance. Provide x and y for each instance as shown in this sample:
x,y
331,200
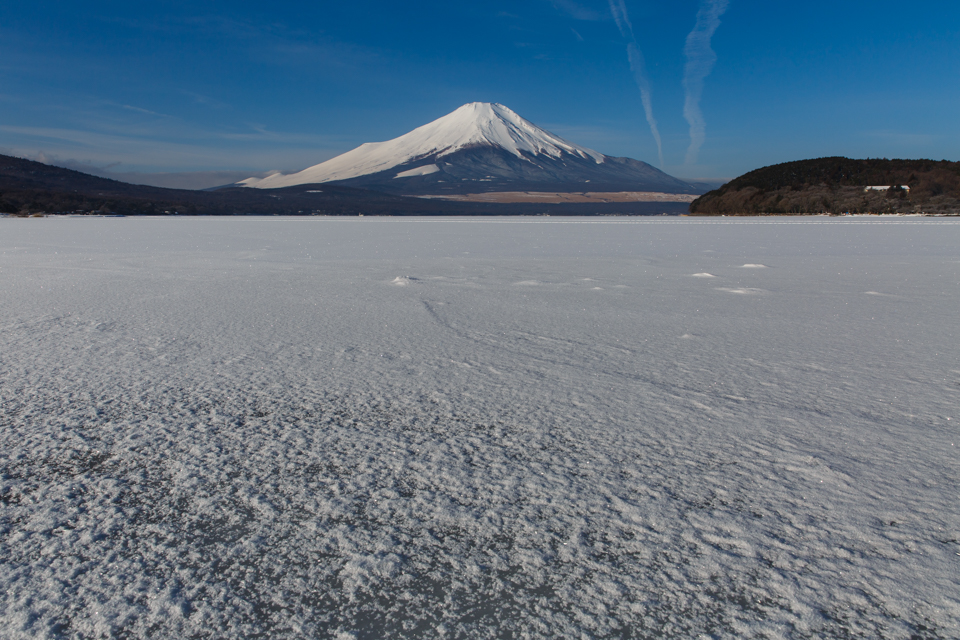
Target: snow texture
x,y
419,171
382,428
474,124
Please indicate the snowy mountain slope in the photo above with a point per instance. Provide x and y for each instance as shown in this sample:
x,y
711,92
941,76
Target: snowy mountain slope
x,y
479,147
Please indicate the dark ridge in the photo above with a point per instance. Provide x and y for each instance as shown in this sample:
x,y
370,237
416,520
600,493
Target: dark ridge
x,y
28,187
836,185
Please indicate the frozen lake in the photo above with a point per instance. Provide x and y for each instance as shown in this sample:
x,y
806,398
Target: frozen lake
x,y
376,428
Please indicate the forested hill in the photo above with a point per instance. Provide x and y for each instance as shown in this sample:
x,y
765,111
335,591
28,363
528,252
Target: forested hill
x,y
28,187
32,187
837,185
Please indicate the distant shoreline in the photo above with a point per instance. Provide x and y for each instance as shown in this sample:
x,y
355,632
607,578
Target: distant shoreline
x,y
494,216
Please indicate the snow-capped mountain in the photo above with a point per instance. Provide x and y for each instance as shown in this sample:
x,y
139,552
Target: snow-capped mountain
x,y
480,147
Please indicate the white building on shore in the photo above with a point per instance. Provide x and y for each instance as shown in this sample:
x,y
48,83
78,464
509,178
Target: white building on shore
x,y
885,188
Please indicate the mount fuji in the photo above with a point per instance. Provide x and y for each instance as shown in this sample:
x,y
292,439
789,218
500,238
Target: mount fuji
x,y
480,148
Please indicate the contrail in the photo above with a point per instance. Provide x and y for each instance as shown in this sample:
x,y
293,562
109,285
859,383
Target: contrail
x,y
700,61
622,18
619,11
640,75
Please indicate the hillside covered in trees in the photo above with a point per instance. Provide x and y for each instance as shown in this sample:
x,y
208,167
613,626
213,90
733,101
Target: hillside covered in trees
x,y
837,185
28,187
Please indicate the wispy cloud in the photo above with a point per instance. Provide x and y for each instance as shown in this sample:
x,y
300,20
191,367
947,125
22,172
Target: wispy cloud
x,y
130,107
254,133
637,64
576,10
622,18
700,61
263,41
190,149
170,180
206,101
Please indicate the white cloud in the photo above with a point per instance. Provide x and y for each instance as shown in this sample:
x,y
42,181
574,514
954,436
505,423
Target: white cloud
x,y
700,61
576,10
638,67
256,151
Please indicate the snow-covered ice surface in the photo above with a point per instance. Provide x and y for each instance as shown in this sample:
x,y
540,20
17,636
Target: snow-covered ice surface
x,y
244,428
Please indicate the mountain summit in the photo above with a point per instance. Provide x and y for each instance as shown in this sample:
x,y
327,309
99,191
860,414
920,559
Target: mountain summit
x,y
480,147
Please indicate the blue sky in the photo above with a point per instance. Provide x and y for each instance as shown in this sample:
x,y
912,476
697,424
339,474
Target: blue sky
x,y
246,87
